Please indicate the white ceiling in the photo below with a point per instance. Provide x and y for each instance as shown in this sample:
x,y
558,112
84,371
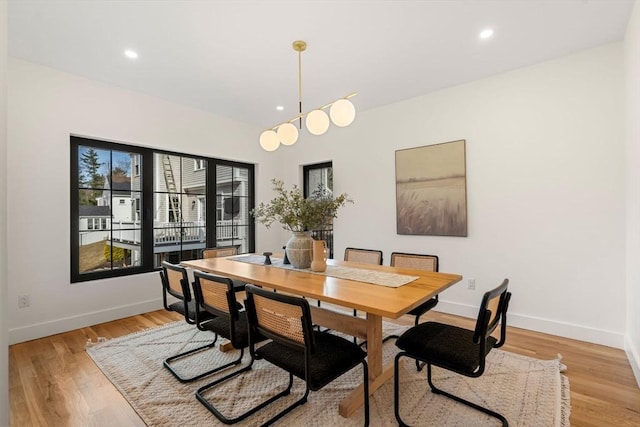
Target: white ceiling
x,y
234,58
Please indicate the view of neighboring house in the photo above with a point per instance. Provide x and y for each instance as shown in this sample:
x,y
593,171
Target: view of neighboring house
x,y
94,218
114,203
179,209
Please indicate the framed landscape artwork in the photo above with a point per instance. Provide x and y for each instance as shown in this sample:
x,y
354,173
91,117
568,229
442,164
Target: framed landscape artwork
x,y
431,190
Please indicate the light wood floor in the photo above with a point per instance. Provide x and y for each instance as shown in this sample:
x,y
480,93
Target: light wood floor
x,y
53,382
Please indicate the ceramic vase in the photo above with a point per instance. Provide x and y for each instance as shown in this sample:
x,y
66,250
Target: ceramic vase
x,y
300,249
319,261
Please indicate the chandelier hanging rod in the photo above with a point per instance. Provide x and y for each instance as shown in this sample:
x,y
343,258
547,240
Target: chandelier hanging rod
x,y
342,113
302,115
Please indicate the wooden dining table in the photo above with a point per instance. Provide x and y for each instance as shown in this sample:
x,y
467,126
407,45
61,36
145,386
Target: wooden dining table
x,y
375,301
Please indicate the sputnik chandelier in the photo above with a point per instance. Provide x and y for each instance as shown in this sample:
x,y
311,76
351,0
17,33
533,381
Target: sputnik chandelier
x,y
341,111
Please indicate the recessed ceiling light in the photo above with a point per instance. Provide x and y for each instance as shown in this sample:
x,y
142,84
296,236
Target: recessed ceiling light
x,y
131,54
485,34
279,108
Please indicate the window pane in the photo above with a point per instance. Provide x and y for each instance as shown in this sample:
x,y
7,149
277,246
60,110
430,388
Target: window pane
x,y
89,209
193,180
180,208
110,232
121,170
319,177
199,164
167,234
123,255
136,205
94,198
168,170
92,167
195,208
91,250
232,207
193,237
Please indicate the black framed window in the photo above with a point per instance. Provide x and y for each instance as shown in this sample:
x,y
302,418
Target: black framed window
x,y
316,177
134,207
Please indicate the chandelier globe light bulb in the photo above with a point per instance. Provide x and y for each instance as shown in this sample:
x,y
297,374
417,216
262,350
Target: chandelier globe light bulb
x,y
317,122
287,134
342,112
269,140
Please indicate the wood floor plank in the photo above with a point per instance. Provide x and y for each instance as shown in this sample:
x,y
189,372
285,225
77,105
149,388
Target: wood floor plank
x,y
53,382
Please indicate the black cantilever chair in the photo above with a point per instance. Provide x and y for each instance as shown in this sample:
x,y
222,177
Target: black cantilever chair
x,y
417,262
364,256
315,357
219,252
217,295
224,251
175,282
456,349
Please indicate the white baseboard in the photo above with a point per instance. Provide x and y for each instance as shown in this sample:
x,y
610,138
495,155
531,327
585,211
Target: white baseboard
x,y
596,336
561,329
634,358
45,329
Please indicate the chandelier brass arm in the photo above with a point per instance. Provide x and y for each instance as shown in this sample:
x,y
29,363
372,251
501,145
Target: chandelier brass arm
x,y
341,111
303,115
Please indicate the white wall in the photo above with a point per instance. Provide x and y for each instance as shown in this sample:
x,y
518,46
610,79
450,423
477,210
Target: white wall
x,y
4,318
45,106
545,168
545,189
632,81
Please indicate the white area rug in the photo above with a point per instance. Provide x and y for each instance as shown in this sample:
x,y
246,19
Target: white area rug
x,y
527,391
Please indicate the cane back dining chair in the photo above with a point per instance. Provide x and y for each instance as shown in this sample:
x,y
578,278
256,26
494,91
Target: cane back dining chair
x,y
217,296
219,252
364,256
456,349
223,251
317,358
417,262
175,283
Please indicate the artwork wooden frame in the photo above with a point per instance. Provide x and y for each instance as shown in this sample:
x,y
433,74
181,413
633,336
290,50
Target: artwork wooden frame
x,y
431,190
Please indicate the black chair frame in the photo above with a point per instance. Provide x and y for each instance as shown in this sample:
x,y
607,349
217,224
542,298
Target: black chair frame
x,y
234,317
380,260
308,348
422,308
190,310
485,326
372,251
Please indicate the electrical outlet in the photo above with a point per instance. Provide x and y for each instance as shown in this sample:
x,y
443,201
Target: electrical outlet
x,y
24,300
471,284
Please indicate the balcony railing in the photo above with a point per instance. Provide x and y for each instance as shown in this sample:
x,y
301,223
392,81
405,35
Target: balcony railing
x,y
169,233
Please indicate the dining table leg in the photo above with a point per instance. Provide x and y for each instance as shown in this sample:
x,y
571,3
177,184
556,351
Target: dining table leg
x,y
374,345
378,374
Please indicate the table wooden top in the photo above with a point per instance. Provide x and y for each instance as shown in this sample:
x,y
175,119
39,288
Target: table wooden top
x,y
376,299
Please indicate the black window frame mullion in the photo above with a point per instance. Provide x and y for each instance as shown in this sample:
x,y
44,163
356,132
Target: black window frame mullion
x,y
74,209
306,169
305,174
75,275
146,214
212,199
211,204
